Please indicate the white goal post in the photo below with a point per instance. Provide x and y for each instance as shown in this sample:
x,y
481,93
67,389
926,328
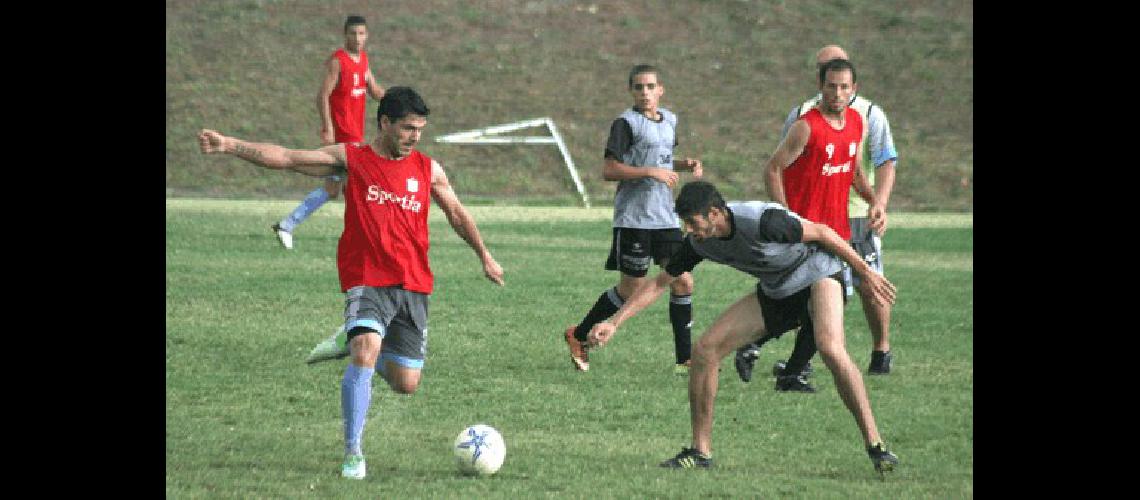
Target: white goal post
x,y
491,135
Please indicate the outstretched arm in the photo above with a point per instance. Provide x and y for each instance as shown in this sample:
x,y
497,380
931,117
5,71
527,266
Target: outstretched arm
x,y
789,149
462,222
328,160
883,291
641,298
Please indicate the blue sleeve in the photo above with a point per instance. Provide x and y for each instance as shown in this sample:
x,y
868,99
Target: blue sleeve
x,y
880,143
792,117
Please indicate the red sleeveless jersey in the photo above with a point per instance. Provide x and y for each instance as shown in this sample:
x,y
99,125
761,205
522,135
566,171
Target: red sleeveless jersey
x,y
818,183
346,103
385,238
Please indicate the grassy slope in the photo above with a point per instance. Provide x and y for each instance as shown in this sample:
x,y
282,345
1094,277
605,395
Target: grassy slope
x,y
732,71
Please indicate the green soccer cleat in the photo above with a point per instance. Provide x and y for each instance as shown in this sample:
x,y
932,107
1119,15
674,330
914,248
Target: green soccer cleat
x,y
334,347
353,467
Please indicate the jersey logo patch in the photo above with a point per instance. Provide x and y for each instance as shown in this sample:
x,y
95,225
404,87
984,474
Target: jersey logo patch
x,y
413,185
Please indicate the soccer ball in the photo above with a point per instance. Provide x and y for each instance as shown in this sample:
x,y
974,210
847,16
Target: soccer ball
x,y
479,450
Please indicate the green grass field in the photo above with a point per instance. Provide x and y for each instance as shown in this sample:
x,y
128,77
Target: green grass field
x,y
246,418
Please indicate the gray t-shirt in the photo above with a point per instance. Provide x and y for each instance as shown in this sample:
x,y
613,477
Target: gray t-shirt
x,y
766,242
638,141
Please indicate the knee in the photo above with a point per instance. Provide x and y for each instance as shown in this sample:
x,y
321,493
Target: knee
x,y
365,349
683,285
404,386
705,352
832,353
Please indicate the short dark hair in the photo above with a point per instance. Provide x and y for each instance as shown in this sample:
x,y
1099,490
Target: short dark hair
x,y
353,21
643,68
696,198
836,65
398,102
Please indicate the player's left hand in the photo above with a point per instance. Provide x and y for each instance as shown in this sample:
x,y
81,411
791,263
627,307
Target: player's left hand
x,y
601,333
878,219
493,271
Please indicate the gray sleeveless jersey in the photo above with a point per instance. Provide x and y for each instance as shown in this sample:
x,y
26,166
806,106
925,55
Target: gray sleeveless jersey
x,y
782,268
647,203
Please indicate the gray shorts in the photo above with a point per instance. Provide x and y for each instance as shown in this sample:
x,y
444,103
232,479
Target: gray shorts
x,y
398,315
868,245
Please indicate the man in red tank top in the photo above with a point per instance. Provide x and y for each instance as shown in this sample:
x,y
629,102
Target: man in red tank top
x,y
340,105
382,257
812,173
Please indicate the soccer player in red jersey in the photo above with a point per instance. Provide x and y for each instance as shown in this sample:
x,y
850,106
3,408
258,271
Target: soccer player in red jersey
x,y
812,173
382,257
340,104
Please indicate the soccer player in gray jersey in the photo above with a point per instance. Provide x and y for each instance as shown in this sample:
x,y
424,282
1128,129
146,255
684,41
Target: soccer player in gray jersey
x,y
639,155
798,267
879,169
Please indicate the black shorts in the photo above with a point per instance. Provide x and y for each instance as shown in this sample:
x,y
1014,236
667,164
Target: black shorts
x,y
781,315
632,248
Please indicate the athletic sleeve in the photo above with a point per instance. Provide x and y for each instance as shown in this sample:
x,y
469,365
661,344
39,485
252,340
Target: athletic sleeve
x,y
621,137
792,116
779,226
879,140
683,260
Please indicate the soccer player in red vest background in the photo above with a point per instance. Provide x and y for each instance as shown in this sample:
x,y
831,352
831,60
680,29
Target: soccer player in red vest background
x,y
340,105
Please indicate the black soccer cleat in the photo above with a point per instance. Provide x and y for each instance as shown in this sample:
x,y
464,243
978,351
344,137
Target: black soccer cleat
x,y
884,460
689,458
793,383
778,369
746,359
880,363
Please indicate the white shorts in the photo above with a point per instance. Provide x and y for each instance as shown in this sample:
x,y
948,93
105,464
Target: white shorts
x,y
868,245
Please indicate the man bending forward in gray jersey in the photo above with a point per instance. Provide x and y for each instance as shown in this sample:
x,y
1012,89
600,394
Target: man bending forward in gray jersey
x,y
799,270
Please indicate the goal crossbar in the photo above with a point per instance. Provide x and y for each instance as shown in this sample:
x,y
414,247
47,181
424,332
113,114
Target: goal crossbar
x,y
491,135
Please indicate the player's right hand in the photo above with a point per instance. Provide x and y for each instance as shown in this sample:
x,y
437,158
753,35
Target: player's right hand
x,y
210,141
327,137
665,175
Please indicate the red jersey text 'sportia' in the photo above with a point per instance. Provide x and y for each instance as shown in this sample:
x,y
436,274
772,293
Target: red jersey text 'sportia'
x,y
346,103
818,183
385,238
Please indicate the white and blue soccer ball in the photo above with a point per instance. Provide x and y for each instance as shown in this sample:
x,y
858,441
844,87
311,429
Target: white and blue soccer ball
x,y
479,450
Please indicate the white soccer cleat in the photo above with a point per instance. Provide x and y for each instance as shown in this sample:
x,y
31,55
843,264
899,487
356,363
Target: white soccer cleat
x,y
334,347
284,237
353,467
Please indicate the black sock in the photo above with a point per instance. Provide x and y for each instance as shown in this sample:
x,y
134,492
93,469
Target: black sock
x,y
761,341
804,350
608,304
681,317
